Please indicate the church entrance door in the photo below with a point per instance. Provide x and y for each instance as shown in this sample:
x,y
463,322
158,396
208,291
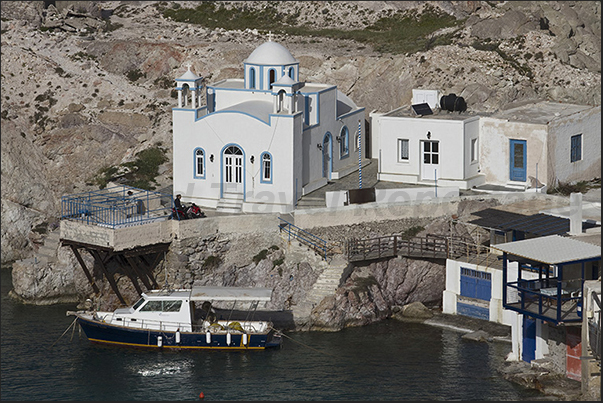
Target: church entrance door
x,y
233,170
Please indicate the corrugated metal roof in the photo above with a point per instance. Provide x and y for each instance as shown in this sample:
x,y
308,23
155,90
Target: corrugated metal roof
x,y
538,224
552,249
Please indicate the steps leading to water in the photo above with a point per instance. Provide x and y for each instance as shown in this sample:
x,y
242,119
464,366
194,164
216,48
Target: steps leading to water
x,y
47,253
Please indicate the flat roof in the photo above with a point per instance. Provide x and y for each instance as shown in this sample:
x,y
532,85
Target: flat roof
x,y
216,293
438,114
540,112
552,249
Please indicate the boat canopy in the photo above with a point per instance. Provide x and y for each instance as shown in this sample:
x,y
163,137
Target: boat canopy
x,y
216,293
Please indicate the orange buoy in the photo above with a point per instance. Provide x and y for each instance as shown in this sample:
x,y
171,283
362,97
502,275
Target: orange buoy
x,y
201,395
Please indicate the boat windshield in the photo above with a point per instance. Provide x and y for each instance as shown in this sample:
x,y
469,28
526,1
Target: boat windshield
x,y
138,303
162,306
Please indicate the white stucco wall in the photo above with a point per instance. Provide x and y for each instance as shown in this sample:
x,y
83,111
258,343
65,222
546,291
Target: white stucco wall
x,y
560,167
495,136
454,137
216,131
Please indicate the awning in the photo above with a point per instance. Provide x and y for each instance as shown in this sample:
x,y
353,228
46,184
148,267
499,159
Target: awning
x,y
552,249
216,293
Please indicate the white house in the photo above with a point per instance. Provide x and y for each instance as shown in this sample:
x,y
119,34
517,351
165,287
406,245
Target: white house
x,y
439,148
263,141
523,147
544,142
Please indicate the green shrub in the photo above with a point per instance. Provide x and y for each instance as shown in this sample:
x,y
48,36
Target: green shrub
x,y
260,256
140,173
401,32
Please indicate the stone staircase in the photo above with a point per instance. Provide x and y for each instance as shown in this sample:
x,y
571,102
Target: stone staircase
x,y
327,282
47,253
230,203
307,202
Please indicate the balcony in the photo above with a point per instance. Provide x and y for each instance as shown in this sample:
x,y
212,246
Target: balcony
x,y
547,299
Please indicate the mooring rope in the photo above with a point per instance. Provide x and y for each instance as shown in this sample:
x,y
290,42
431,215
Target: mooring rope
x,y
299,342
68,327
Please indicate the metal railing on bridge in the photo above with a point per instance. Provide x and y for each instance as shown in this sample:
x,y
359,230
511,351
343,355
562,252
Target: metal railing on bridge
x,y
317,244
116,206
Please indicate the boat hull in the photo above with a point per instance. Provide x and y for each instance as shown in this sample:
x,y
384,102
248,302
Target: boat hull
x,y
104,333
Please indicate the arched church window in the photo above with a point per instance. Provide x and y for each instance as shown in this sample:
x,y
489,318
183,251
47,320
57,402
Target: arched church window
x,y
199,163
272,77
233,150
266,168
291,72
252,78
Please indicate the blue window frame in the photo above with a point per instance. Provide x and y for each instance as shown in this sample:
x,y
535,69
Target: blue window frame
x,y
252,78
291,72
266,174
199,163
576,148
344,142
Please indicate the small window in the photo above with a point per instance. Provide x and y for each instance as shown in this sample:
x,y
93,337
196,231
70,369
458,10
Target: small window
x,y
291,72
402,150
252,78
344,149
473,150
266,168
576,150
199,163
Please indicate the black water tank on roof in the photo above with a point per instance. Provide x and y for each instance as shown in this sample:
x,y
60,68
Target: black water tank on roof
x,y
453,103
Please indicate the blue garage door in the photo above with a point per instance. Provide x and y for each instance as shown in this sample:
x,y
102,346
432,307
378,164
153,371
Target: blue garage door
x,y
476,284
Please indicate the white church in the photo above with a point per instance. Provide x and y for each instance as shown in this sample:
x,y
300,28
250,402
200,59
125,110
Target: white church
x,y
262,142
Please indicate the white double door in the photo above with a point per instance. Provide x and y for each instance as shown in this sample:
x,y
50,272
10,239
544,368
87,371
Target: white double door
x,y
233,170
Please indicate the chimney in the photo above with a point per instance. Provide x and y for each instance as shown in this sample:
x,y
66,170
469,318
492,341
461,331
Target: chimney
x,y
575,214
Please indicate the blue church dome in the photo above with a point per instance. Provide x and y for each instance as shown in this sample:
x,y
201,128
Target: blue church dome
x,y
270,53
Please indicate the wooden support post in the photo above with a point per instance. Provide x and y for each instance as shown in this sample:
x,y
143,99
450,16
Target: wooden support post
x,y
110,278
149,269
140,274
130,272
84,268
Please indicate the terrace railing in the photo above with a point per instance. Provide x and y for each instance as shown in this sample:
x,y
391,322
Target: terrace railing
x,y
114,207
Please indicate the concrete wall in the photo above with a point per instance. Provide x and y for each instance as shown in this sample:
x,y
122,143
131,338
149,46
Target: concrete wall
x,y
340,197
560,167
126,237
495,136
370,212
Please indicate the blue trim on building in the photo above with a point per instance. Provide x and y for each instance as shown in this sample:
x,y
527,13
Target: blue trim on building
x,y
262,180
195,176
244,169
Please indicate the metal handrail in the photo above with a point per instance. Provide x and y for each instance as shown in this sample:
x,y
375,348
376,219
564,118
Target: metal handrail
x,y
112,207
311,240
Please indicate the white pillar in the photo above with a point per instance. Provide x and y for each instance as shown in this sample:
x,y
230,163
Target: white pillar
x,y
179,98
575,213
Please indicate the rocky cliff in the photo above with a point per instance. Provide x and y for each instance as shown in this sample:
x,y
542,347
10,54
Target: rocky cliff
x,y
86,86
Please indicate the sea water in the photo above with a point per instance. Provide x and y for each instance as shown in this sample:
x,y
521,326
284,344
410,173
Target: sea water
x,y
43,358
